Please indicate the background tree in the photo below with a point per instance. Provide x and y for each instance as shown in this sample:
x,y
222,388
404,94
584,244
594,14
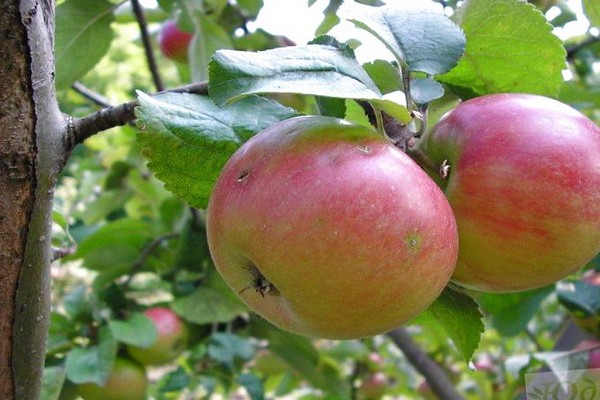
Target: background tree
x,y
122,244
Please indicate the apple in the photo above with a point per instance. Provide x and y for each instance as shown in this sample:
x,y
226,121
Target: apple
x,y
171,341
126,381
174,42
524,185
326,229
373,387
268,364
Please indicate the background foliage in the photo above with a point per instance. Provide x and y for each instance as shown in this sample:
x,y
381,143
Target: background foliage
x,y
136,242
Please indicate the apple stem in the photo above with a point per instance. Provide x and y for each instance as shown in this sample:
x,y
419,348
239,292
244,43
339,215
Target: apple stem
x,y
405,72
431,167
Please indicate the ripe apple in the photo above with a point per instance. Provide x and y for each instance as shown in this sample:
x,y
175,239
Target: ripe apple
x,y
174,42
326,229
524,185
171,340
126,381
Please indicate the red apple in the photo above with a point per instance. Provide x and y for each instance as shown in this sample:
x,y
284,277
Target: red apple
x,y
524,184
373,387
174,42
326,229
126,381
171,340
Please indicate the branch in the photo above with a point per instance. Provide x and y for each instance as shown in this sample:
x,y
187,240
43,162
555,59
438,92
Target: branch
x,y
61,252
82,128
91,95
572,50
433,373
141,19
146,252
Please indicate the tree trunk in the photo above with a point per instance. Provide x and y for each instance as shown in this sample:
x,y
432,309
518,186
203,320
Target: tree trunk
x,y
32,150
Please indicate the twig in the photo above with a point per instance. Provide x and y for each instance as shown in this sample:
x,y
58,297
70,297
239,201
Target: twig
x,y
572,50
60,252
436,377
91,95
82,128
141,19
536,342
141,260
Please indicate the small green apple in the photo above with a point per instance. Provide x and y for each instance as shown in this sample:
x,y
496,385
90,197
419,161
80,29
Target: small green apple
x,y
326,229
126,381
171,341
373,387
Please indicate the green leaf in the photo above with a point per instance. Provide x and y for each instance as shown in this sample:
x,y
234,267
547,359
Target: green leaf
x,y
580,297
592,11
302,356
93,363
114,248
510,312
424,40
192,252
253,386
510,48
137,330
175,381
250,8
52,382
210,303
424,90
385,75
314,69
83,36
227,347
460,317
188,139
205,43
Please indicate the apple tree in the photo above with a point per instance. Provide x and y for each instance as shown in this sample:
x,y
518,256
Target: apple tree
x,y
193,206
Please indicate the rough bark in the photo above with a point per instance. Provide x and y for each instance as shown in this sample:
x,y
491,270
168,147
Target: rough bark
x,y
31,154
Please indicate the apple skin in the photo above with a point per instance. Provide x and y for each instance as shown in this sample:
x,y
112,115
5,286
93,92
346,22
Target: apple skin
x,y
593,347
524,185
171,341
174,42
354,238
126,381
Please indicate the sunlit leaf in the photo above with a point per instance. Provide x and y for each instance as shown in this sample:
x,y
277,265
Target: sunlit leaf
x,y
424,40
510,48
188,139
459,315
592,11
83,36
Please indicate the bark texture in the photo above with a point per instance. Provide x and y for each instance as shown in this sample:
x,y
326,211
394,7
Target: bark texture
x,y
17,179
32,151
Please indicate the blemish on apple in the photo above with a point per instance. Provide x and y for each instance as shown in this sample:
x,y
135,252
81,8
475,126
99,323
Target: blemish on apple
x,y
244,175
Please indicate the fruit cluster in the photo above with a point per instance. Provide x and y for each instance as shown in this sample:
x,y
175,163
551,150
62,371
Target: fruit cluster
x,y
327,229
